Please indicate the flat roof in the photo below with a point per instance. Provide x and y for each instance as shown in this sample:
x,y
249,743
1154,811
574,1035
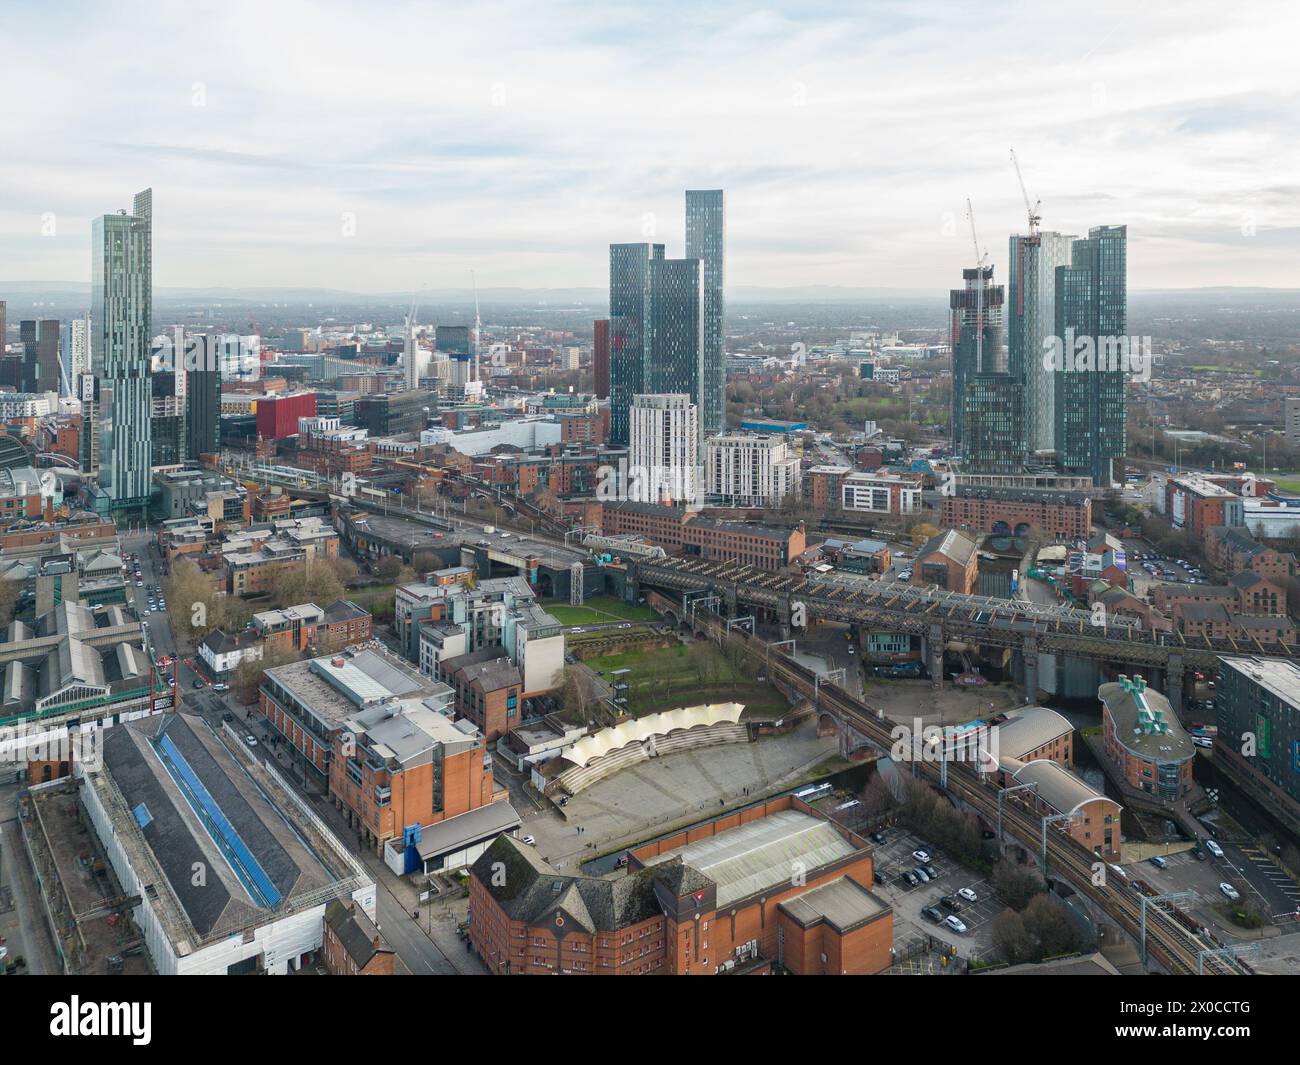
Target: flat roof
x,y
458,832
1278,676
1145,723
747,859
844,904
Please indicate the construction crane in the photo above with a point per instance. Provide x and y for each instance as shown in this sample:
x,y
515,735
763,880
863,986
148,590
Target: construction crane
x,y
1034,212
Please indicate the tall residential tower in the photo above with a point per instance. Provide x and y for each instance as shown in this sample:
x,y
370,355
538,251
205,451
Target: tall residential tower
x,y
122,312
706,240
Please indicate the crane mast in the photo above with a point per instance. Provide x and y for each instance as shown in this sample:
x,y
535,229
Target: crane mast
x,y
1033,210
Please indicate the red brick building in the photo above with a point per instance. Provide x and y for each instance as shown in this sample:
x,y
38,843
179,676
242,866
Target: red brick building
x,y
352,944
277,416
1065,515
685,533
716,898
1144,739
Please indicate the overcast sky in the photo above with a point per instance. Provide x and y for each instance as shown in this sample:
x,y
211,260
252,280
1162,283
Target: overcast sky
x,y
520,139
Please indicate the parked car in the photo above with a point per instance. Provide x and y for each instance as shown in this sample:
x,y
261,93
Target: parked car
x,y
878,877
1230,891
530,841
933,913
931,872
251,740
955,923
921,875
921,854
1214,848
909,878
968,894
951,902
1158,862
877,837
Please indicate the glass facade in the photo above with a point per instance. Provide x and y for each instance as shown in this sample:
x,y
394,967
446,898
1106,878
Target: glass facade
x,y
122,301
629,323
1031,317
1090,405
976,342
706,240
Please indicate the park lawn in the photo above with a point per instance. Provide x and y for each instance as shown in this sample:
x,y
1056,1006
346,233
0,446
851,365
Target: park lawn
x,y
600,610
665,678
1288,484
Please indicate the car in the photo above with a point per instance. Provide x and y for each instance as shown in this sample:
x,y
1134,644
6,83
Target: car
x,y
577,630
921,855
877,837
921,875
906,575
909,878
227,716
197,685
1214,848
251,740
221,687
955,923
968,894
1158,861
626,625
851,651
878,877
951,903
530,841
1230,891
931,871
933,913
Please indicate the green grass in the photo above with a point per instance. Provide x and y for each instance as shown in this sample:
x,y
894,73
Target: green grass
x,y
599,611
664,678
1288,484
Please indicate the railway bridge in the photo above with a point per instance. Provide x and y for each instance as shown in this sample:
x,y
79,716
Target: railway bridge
x,y
939,617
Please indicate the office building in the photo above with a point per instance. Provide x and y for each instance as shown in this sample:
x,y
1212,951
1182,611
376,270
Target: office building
x,y
664,450
122,300
675,361
993,420
1090,406
41,347
1258,713
1031,318
706,240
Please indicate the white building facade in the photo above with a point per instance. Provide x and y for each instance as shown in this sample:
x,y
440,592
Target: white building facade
x,y
664,449
750,470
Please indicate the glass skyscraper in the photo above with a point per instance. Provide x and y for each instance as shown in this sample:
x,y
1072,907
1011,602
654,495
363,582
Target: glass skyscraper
x,y
1092,302
1031,318
629,325
976,341
706,240
122,313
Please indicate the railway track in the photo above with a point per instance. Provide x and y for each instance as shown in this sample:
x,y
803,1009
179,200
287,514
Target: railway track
x,y
1168,941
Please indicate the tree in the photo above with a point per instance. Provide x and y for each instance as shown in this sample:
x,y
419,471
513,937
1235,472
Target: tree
x,y
195,607
577,693
1050,927
250,673
1011,939
1016,884
315,582
921,532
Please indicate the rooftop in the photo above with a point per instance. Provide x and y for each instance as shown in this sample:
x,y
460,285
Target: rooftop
x,y
746,860
844,904
1145,723
1277,676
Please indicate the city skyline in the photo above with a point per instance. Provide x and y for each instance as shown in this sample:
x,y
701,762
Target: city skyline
x,y
832,131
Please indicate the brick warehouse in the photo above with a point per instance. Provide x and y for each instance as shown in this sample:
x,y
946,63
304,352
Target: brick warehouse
x,y
771,887
1058,513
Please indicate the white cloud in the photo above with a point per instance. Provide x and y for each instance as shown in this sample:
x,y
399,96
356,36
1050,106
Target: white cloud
x,y
521,138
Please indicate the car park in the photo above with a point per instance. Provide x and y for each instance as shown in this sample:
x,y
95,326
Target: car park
x,y
968,894
955,923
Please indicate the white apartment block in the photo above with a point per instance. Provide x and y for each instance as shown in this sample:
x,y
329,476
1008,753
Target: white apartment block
x,y
664,449
750,469
881,493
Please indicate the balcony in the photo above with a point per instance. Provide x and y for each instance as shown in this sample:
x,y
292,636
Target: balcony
x,y
383,794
